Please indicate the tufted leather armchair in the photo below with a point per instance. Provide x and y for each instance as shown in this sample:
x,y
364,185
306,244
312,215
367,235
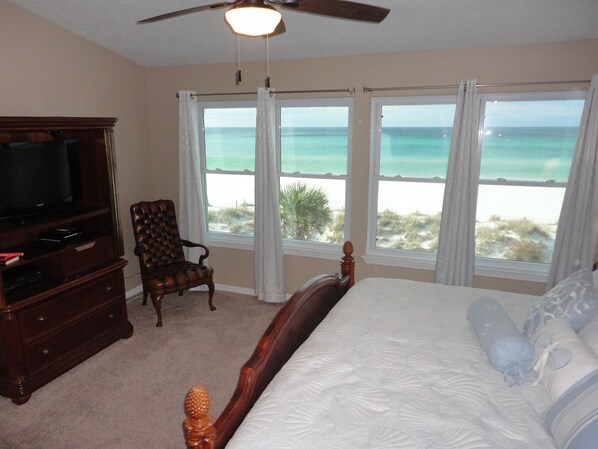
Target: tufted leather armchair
x,y
162,262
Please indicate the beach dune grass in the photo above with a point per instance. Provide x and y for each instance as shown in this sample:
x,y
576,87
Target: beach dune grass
x,y
337,228
236,220
516,239
411,232
305,215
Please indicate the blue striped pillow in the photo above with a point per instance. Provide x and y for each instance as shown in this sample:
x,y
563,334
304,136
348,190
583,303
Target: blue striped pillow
x,y
573,418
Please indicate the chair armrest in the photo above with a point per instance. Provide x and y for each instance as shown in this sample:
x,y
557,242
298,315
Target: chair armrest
x,y
189,244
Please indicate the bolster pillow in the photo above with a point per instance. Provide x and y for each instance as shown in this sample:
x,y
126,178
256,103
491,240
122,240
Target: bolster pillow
x,y
505,345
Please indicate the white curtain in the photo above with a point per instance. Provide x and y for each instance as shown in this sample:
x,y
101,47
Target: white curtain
x,y
575,243
268,253
456,241
190,211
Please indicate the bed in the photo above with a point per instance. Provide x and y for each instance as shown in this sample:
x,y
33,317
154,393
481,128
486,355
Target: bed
x,y
384,363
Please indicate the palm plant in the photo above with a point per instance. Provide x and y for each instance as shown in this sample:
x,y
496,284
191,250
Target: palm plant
x,y
304,211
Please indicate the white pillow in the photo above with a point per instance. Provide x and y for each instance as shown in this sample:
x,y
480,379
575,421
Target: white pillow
x,y
562,359
573,299
589,334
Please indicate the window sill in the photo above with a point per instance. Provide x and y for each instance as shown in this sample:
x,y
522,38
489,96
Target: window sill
x,y
313,249
405,259
290,247
504,269
509,269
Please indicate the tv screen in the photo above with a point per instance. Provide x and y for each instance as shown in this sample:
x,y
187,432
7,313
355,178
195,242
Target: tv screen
x,y
34,176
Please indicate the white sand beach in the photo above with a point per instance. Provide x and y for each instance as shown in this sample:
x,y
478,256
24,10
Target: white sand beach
x,y
539,204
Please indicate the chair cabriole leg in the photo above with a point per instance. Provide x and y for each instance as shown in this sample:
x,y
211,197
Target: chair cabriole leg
x,y
210,295
157,302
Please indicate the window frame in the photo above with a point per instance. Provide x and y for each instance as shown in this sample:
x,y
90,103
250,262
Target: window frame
x,y
500,268
322,250
390,256
513,269
223,239
310,248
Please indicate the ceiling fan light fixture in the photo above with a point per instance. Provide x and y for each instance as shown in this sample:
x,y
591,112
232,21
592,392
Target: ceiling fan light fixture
x,y
253,20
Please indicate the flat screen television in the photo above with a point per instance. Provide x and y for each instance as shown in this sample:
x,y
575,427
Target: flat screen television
x,y
36,177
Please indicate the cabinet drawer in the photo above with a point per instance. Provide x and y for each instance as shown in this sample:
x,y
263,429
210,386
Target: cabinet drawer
x,y
71,305
46,351
86,255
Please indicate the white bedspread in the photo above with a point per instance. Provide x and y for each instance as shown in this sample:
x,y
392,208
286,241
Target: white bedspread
x,y
396,365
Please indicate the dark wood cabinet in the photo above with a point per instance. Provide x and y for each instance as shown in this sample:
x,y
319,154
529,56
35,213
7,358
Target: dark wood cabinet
x,y
62,302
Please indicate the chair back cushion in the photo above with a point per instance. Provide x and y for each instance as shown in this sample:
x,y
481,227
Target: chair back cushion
x,y
156,234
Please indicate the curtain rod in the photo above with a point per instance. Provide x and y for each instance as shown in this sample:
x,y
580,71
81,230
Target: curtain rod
x,y
350,90
456,86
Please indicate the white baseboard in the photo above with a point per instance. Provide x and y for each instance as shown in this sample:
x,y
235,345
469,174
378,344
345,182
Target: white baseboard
x,y
129,294
222,287
234,289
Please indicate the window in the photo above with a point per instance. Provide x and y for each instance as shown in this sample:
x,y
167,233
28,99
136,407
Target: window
x,y
314,159
527,147
314,152
409,163
228,141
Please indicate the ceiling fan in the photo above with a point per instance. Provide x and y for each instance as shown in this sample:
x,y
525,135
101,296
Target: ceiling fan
x,y
260,18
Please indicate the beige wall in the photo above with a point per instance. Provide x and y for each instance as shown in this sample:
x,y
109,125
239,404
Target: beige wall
x,y
47,71
570,61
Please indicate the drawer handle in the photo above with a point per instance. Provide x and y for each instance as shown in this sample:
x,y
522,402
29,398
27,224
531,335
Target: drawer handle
x,y
45,352
85,246
108,288
110,316
41,318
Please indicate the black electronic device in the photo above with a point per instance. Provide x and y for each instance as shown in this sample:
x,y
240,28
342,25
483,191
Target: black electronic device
x,y
60,235
36,177
20,277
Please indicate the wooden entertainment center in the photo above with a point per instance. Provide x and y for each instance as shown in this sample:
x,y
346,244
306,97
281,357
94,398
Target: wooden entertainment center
x,y
60,303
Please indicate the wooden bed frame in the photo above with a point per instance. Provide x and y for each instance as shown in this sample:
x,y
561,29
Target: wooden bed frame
x,y
289,329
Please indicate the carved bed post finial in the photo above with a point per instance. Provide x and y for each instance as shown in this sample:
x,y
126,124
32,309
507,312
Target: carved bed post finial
x,y
199,425
348,263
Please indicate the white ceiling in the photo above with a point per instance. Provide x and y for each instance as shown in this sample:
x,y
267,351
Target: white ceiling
x,y
412,25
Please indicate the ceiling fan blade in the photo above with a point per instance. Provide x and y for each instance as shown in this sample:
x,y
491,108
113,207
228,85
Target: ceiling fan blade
x,y
337,8
184,12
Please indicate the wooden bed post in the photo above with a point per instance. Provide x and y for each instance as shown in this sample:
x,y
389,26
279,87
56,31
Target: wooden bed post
x,y
199,426
288,330
348,263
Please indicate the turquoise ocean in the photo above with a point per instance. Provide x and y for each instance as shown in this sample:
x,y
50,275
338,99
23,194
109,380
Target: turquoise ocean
x,y
513,153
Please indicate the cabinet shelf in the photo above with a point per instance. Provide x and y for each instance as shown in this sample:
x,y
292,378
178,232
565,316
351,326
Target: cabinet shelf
x,y
14,227
38,250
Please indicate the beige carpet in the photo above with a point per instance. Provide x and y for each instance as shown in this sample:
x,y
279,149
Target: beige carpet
x,y
131,394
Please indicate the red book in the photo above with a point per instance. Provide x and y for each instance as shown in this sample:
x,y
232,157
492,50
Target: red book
x,y
8,258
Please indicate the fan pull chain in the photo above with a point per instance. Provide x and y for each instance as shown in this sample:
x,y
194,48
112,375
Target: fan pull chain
x,y
267,84
238,72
